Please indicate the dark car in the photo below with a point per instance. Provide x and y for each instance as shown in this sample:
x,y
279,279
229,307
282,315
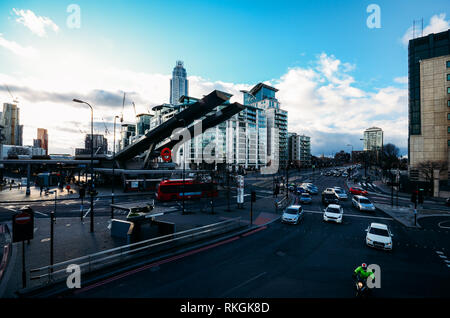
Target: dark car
x,y
447,202
329,198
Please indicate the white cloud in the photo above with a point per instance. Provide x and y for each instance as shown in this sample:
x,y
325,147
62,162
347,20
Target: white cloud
x,y
323,103
17,48
37,24
322,100
401,80
438,23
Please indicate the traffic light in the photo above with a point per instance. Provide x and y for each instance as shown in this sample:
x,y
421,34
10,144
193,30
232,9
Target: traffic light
x,y
414,197
420,196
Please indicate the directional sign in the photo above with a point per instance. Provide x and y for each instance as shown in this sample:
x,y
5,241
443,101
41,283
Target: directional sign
x,y
166,154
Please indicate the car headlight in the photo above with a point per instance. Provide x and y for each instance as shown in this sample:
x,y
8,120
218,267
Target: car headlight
x,y
388,244
369,240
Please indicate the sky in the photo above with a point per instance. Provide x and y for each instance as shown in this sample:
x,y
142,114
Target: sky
x,y
339,67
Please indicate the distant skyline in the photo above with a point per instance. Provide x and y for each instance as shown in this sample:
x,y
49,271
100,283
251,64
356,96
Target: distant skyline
x,y
336,77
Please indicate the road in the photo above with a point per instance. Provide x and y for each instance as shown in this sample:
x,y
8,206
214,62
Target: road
x,y
312,259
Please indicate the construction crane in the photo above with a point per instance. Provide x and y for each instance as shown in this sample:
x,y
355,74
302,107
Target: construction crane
x,y
81,131
106,128
13,98
123,106
135,114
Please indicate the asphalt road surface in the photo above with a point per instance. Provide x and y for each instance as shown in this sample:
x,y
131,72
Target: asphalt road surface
x,y
312,259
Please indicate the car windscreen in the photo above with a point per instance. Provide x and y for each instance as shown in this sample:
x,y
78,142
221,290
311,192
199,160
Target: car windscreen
x,y
376,231
333,210
338,191
291,211
305,195
364,201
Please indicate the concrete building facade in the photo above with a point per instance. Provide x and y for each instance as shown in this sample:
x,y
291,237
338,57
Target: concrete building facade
x,y
373,139
299,149
434,141
10,120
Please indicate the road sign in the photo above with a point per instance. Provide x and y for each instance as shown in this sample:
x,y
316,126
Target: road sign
x,y
23,225
23,218
166,154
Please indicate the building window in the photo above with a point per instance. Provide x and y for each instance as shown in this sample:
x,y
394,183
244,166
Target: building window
x,y
448,64
448,90
448,143
448,116
448,129
448,103
448,77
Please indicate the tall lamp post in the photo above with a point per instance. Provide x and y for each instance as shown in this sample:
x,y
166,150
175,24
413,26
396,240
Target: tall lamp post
x,y
184,162
113,167
92,160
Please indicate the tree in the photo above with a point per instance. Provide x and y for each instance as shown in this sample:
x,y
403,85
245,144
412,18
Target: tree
x,y
389,158
427,168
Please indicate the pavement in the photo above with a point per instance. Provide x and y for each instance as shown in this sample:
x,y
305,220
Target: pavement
x,y
73,238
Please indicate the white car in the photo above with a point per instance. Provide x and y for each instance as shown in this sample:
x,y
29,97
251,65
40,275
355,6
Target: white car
x,y
379,236
340,193
362,203
333,213
292,214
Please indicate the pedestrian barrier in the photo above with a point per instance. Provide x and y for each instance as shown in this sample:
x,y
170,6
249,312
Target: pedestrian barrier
x,y
96,261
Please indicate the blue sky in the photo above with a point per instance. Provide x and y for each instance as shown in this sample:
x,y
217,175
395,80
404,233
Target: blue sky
x,y
238,43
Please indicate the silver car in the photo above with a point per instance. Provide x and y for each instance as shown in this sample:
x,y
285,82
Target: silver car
x,y
362,203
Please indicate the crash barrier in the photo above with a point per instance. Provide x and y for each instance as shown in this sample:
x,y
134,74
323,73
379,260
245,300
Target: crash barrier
x,y
89,263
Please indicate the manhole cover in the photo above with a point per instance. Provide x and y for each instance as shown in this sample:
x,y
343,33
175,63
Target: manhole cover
x,y
280,253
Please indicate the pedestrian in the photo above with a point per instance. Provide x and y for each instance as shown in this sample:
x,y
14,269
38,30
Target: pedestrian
x,y
40,188
68,188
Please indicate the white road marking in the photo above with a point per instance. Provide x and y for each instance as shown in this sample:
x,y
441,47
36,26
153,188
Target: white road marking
x,y
442,256
439,252
355,215
40,213
244,283
89,210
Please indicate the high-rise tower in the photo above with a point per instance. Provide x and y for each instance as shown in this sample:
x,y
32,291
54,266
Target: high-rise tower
x,y
178,83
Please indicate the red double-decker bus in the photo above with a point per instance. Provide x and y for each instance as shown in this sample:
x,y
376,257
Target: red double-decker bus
x,y
172,189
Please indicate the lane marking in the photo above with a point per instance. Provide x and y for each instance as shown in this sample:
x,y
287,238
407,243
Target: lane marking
x,y
41,213
243,284
89,210
439,252
355,215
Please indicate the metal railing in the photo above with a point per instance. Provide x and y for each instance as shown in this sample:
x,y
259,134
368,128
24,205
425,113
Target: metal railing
x,y
99,260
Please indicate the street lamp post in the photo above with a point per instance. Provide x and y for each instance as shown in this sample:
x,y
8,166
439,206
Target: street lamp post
x,y
184,162
92,160
113,167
